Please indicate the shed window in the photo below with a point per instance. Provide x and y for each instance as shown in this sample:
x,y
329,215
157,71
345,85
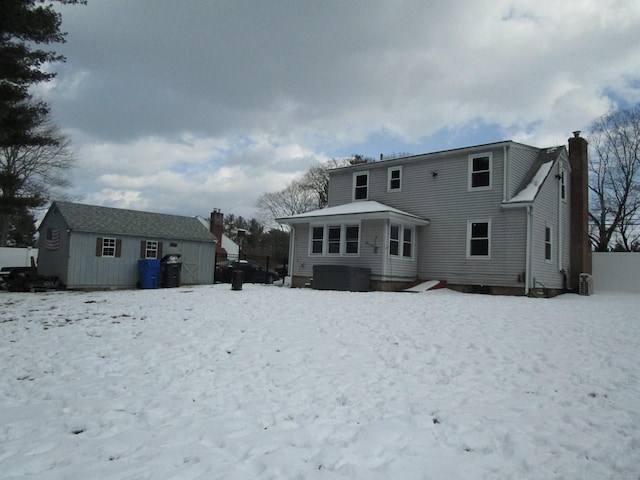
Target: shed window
x,y
108,247
151,249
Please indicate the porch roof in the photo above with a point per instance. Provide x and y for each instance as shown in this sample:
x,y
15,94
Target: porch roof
x,y
364,210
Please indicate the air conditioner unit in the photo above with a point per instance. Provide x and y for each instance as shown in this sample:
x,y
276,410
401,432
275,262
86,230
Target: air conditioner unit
x,y
586,284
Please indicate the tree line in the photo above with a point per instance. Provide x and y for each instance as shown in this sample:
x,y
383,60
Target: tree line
x,y
35,157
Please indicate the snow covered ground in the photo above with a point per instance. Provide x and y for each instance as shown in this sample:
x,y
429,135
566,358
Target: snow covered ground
x,y
276,383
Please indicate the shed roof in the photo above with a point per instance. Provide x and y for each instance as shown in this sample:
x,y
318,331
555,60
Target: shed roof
x,y
118,221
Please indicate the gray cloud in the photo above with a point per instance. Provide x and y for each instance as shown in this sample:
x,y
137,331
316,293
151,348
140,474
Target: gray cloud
x,y
268,88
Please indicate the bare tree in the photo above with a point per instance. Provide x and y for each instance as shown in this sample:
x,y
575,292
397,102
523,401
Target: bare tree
x,y
615,179
32,173
291,200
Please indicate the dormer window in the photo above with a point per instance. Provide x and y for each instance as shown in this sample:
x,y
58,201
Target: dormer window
x,y
361,186
480,171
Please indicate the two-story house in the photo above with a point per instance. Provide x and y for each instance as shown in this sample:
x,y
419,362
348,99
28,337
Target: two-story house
x,y
496,218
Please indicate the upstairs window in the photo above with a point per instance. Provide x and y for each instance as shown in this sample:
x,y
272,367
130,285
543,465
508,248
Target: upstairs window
x,y
563,185
361,186
479,239
394,179
480,171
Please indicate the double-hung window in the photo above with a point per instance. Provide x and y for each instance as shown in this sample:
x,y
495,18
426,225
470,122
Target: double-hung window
x,y
394,179
352,239
480,171
479,239
401,241
340,239
317,240
333,241
547,244
151,250
108,247
361,186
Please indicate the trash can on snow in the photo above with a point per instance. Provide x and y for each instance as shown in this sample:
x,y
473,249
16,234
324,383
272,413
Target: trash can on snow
x,y
148,272
236,279
170,268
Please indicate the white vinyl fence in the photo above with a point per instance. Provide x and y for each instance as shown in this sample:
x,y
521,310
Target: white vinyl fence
x,y
17,257
616,272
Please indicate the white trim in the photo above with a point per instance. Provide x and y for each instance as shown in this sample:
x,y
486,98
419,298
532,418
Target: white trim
x,y
470,173
353,189
390,170
401,241
342,248
105,247
469,238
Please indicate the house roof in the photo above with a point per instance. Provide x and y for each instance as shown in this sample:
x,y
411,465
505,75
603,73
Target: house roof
x,y
533,180
356,210
117,221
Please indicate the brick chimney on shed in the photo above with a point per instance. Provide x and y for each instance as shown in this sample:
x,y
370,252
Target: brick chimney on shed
x,y
216,226
579,245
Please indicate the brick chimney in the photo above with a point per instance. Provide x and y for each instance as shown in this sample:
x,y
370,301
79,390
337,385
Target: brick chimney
x,y
579,245
216,226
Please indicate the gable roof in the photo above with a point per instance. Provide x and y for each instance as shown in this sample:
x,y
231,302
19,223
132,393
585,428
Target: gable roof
x,y
118,221
357,210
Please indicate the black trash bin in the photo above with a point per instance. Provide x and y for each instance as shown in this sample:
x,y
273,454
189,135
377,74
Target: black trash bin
x,y
236,279
170,267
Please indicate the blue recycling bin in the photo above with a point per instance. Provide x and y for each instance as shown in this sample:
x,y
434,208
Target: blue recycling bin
x,y
148,272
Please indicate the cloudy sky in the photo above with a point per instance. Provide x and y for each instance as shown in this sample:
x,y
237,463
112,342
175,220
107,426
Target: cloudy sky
x,y
182,106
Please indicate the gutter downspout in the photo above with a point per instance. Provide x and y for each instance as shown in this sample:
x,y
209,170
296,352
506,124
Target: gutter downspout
x,y
528,273
505,175
292,246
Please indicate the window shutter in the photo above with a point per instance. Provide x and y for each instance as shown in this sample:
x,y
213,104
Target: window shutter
x,y
118,248
143,249
99,247
159,250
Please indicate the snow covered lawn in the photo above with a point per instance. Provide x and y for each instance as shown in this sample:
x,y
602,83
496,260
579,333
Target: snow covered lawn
x,y
277,383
